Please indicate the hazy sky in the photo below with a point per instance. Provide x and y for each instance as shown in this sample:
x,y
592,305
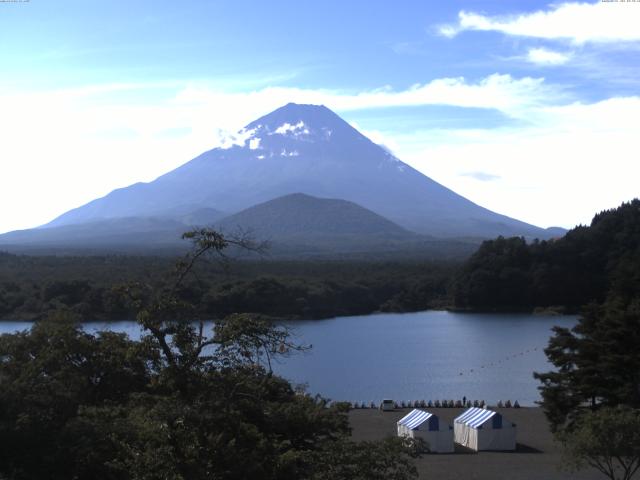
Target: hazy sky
x,y
528,108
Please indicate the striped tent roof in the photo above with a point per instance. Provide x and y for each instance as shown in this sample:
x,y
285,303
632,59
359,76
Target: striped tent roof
x,y
415,418
474,417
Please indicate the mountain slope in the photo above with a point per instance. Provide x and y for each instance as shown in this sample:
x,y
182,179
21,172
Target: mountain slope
x,y
309,149
113,233
302,216
295,226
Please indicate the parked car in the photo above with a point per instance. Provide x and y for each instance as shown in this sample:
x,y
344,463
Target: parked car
x,y
387,405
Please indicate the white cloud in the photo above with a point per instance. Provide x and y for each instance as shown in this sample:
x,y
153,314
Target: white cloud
x,y
543,56
481,176
576,160
599,22
449,31
382,139
498,91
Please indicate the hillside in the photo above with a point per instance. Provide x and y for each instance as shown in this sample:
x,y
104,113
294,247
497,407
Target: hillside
x,y
115,234
303,220
588,264
293,226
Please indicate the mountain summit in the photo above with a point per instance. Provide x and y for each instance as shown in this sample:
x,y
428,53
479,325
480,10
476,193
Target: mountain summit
x,y
307,149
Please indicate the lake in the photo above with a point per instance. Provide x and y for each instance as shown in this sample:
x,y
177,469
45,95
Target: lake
x,y
411,356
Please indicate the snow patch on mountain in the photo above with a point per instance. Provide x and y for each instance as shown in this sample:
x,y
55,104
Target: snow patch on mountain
x,y
254,143
292,153
298,129
239,139
391,156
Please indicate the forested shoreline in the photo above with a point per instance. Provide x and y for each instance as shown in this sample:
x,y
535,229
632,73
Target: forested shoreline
x,y
31,287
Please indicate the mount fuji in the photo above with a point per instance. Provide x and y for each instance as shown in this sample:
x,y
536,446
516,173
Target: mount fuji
x,y
304,149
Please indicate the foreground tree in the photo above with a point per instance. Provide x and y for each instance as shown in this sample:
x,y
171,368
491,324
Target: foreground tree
x,y
181,403
390,459
592,400
607,440
597,364
48,377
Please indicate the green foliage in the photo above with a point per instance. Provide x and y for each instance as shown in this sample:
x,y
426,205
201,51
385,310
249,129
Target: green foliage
x,y
47,375
586,265
390,459
494,275
181,403
597,363
592,397
607,440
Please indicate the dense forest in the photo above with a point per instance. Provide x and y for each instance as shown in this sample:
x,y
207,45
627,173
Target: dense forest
x,y
33,286
587,265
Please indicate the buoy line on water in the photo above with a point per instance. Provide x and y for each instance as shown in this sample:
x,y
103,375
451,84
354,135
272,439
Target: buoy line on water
x,y
504,359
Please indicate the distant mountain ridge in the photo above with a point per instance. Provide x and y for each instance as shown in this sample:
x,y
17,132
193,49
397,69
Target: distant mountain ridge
x,y
104,232
293,226
307,149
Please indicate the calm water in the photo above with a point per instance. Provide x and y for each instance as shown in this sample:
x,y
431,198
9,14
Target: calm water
x,y
412,356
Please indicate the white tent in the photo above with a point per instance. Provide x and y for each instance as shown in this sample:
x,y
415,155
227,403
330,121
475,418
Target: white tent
x,y
426,425
482,429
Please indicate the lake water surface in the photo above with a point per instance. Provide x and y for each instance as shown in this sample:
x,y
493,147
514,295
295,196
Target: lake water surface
x,y
411,356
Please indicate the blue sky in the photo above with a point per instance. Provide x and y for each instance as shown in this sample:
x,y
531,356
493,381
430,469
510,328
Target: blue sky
x,y
528,108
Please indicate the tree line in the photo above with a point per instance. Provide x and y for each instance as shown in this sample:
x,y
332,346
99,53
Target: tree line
x,y
32,287
588,265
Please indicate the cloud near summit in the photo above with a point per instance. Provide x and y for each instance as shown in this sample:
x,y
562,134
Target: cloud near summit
x,y
502,92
